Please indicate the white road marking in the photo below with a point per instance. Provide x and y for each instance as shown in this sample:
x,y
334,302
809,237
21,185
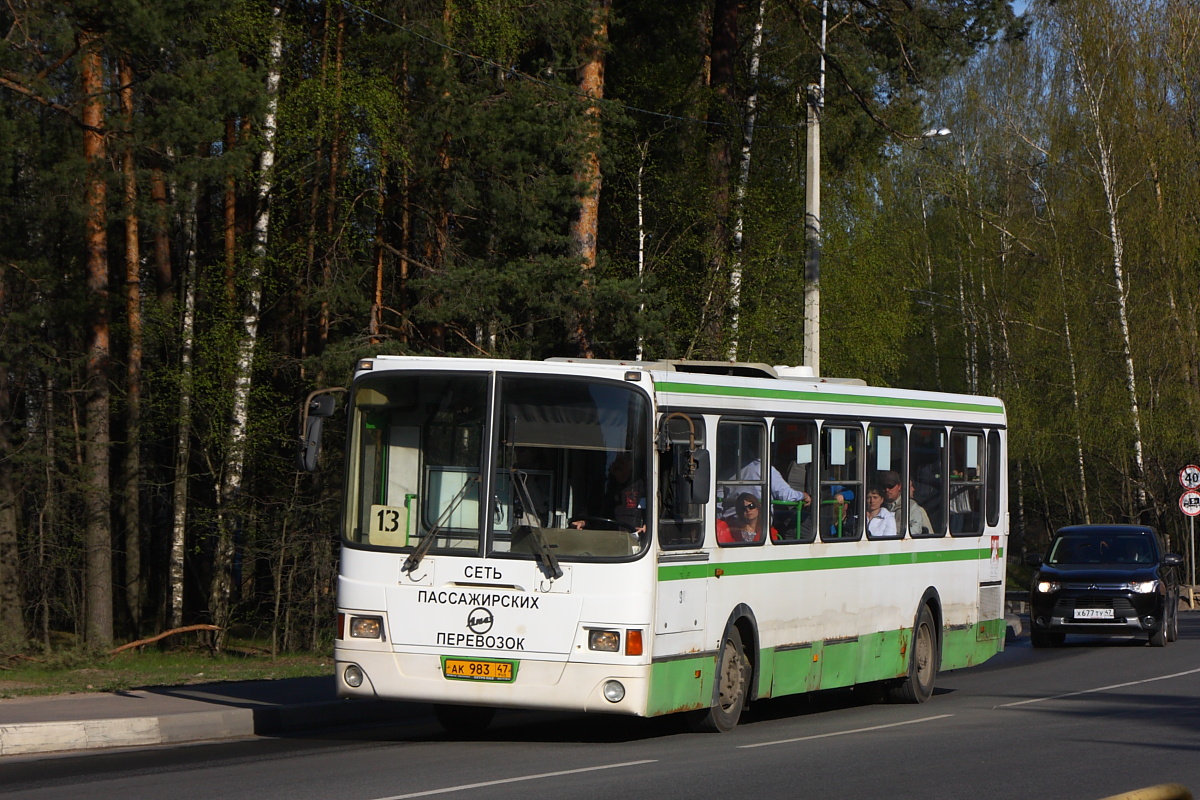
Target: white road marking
x,y
518,779
846,733
1100,689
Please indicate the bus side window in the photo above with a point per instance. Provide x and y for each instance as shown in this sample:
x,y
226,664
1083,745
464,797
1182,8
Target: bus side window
x,y
927,476
966,483
793,460
994,470
840,499
885,471
741,495
680,523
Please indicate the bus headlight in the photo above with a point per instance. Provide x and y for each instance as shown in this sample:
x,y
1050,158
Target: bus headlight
x,y
614,692
366,627
353,676
608,641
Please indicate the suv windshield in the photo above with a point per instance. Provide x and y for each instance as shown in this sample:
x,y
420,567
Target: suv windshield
x,y
1112,548
567,459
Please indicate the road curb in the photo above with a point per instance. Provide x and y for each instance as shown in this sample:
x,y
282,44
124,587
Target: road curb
x,y
196,726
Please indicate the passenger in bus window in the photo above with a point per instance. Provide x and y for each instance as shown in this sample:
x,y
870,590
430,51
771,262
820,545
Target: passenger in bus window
x,y
918,521
780,489
881,523
892,491
837,513
746,523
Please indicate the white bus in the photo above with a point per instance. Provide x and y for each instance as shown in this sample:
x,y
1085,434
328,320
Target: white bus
x,y
658,537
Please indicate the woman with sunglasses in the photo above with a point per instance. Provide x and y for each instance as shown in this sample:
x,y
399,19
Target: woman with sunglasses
x,y
746,524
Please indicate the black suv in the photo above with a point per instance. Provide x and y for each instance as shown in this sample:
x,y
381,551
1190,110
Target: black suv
x,y
1104,579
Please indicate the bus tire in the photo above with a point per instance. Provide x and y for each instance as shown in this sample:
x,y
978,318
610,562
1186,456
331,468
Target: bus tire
x,y
733,682
464,720
923,660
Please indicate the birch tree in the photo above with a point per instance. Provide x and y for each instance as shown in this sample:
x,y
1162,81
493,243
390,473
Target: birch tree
x,y
743,180
1095,52
236,450
183,435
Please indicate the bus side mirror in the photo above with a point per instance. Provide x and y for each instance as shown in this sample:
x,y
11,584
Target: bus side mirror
x,y
318,408
693,473
701,478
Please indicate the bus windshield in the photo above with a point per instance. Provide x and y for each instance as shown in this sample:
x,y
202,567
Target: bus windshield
x,y
567,461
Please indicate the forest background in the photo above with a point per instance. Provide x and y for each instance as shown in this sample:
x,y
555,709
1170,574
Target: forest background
x,y
211,208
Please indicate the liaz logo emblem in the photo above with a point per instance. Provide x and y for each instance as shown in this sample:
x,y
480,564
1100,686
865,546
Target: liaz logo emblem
x,y
480,620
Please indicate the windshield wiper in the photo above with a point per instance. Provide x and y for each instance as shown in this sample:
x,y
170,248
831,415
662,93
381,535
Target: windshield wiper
x,y
528,518
414,558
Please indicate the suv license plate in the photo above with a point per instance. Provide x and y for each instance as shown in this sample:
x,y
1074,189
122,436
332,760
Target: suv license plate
x,y
465,669
1093,613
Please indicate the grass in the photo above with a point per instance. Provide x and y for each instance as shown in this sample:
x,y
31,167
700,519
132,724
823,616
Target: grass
x,y
69,671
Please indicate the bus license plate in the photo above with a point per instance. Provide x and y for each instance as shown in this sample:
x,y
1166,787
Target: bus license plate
x,y
473,670
1093,613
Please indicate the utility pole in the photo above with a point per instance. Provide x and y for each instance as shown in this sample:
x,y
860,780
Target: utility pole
x,y
812,235
812,214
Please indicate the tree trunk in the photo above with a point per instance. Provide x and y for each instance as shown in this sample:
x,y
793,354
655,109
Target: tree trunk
x,y
643,152
375,323
723,82
12,618
229,495
183,440
585,227
331,210
743,181
230,218
133,370
1102,157
164,279
98,494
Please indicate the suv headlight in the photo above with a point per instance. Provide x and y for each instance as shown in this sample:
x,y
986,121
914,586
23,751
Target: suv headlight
x,y
1142,587
1047,587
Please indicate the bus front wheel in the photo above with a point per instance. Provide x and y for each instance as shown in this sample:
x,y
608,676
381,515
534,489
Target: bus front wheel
x,y
923,660
733,679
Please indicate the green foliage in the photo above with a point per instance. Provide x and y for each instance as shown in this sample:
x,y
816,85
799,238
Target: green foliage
x,y
428,167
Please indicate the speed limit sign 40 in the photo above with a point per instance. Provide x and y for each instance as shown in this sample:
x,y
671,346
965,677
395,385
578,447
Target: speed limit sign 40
x,y
1189,502
1189,477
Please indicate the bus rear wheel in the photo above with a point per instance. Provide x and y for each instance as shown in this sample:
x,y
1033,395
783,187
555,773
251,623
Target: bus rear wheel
x,y
733,679
464,720
923,660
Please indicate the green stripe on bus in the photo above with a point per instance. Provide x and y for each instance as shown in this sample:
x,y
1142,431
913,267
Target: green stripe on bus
x,y
687,683
828,397
680,572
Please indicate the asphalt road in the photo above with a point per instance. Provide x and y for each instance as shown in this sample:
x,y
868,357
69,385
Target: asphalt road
x,y
1091,719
